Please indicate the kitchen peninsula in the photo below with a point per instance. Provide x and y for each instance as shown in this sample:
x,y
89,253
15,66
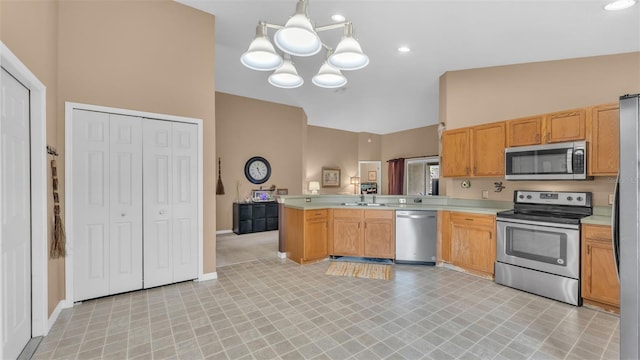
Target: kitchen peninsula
x,y
316,227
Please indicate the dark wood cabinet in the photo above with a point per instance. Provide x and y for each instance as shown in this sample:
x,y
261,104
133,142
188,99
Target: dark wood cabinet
x,y
255,217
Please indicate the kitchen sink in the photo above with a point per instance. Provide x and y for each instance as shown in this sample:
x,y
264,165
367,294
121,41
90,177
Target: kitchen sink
x,y
361,204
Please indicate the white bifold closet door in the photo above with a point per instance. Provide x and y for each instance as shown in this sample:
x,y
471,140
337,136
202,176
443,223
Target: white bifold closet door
x,y
107,203
170,202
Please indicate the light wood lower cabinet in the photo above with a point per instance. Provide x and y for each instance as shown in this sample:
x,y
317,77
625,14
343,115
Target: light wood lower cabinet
x,y
306,237
599,280
468,241
364,233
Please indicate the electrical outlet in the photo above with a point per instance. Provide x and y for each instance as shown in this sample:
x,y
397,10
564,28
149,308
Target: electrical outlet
x,y
402,201
307,199
610,199
485,194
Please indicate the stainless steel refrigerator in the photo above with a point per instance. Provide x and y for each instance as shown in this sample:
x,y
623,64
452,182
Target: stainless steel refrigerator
x,y
625,225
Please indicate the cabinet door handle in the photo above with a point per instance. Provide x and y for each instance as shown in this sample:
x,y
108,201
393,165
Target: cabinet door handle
x,y
161,212
537,137
469,219
123,214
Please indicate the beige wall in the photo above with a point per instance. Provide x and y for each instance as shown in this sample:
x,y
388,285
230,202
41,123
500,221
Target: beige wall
x,y
409,143
155,56
246,128
30,30
331,148
485,95
297,151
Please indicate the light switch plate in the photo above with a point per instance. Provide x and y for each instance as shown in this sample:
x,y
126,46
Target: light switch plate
x,y
485,194
610,199
402,201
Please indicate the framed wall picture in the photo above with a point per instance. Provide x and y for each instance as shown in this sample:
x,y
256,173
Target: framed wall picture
x,y
372,175
330,177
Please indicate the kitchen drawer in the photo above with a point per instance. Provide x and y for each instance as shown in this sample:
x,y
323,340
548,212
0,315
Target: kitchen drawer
x,y
476,219
596,232
379,214
347,213
316,214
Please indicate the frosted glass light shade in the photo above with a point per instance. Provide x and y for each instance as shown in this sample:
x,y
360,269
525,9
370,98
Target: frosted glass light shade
x,y
261,54
329,77
286,76
298,37
348,55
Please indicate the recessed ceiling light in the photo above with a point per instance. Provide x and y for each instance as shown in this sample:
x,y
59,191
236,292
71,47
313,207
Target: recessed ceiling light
x,y
404,49
619,5
338,18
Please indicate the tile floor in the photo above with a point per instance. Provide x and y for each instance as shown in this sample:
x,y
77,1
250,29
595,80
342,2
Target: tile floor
x,y
234,249
275,308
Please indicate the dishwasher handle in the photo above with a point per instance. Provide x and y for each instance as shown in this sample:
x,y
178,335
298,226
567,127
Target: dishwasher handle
x,y
415,216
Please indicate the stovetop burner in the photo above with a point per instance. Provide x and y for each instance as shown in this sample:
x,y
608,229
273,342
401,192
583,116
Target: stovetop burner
x,y
552,207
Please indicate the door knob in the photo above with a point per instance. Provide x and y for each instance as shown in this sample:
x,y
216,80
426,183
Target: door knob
x,y
123,214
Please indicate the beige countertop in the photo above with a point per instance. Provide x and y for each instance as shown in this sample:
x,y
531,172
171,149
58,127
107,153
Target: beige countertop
x,y
597,220
479,207
601,215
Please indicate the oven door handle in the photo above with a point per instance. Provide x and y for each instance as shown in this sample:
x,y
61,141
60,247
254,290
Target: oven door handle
x,y
539,223
569,161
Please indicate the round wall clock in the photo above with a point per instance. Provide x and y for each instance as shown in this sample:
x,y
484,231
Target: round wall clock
x,y
257,170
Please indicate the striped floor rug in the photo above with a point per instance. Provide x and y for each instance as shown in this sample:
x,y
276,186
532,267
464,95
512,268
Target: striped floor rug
x,y
361,270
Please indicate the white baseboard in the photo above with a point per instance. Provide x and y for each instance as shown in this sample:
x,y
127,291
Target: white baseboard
x,y
282,255
208,276
55,314
220,232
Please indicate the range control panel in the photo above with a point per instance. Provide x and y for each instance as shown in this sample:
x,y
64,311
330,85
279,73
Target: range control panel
x,y
553,197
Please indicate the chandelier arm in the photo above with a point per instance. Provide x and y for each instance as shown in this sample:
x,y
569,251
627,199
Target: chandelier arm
x,y
272,26
331,26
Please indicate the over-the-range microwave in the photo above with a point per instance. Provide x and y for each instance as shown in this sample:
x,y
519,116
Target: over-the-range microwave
x,y
560,161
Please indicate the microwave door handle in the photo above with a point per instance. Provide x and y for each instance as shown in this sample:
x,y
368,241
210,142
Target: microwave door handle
x,y
569,161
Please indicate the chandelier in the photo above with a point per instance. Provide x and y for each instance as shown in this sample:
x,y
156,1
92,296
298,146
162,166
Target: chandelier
x,y
299,37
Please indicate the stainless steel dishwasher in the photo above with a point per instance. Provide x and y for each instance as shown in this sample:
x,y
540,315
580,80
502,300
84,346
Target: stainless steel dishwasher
x,y
416,234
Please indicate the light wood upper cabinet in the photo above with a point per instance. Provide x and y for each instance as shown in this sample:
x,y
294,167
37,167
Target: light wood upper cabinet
x,y
306,237
604,144
599,279
474,151
487,149
565,126
524,132
473,242
455,153
364,233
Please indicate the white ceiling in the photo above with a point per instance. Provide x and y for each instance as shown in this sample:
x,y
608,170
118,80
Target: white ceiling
x,y
400,91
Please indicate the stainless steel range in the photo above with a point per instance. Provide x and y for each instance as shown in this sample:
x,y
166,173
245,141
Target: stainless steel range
x,y
538,243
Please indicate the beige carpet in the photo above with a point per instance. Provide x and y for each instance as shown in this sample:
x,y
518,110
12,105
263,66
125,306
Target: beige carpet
x,y
361,270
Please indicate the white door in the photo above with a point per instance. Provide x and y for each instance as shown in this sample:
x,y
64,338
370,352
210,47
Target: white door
x,y
158,225
90,204
107,204
185,202
170,202
125,203
16,217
